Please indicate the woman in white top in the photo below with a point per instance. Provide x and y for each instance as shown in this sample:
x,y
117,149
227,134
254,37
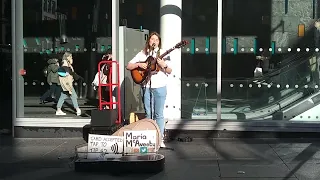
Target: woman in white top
x,y
104,77
154,91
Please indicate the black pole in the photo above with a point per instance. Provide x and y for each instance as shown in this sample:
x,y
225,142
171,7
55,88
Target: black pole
x,y
93,45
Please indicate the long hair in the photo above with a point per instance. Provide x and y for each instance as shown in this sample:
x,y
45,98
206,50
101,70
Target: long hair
x,y
66,55
147,46
105,56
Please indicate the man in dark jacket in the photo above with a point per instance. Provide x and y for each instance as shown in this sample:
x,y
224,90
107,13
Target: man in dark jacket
x,y
53,81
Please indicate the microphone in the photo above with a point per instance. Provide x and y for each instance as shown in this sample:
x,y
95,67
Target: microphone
x,y
152,48
153,45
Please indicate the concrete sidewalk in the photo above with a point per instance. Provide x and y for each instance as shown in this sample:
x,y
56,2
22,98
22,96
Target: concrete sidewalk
x,y
216,159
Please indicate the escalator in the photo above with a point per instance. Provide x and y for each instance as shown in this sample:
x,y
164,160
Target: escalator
x,y
282,94
287,61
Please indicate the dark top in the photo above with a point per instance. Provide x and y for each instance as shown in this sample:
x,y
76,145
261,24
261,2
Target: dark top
x,y
69,70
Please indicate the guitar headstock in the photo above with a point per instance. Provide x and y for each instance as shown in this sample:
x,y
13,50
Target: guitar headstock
x,y
181,44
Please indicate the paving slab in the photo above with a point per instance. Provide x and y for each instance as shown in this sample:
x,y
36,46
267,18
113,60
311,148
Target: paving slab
x,y
254,171
216,159
196,150
242,151
305,171
307,154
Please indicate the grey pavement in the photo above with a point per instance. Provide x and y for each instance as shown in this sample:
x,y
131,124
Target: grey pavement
x,y
215,159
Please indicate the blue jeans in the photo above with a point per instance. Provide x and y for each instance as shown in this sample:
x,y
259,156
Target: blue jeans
x,y
54,89
155,103
64,95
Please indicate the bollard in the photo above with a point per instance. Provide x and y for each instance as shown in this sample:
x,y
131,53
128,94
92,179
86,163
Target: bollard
x,y
25,43
224,45
235,46
38,41
102,48
273,47
207,45
192,46
255,45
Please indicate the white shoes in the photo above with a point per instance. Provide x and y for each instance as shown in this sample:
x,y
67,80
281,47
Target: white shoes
x,y
162,145
78,112
60,113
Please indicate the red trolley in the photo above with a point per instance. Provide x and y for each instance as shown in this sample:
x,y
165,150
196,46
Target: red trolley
x,y
112,87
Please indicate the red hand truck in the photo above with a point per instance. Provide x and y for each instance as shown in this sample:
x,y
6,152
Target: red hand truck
x,y
110,85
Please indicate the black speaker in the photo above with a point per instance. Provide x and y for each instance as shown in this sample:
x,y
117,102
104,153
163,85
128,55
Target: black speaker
x,y
105,117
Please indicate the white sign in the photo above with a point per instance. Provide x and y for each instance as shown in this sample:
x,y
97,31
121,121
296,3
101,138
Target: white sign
x,y
101,147
140,141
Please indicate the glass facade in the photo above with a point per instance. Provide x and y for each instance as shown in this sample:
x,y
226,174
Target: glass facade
x,y
45,22
270,67
199,59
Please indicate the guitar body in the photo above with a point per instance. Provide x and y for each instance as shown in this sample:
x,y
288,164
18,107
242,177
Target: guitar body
x,y
139,75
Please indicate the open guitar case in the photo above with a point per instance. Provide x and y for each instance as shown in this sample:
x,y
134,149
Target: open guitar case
x,y
136,163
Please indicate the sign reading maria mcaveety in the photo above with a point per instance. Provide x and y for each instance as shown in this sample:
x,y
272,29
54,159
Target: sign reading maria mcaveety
x,y
140,141
103,146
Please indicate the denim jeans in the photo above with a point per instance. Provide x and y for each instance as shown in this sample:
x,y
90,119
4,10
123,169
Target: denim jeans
x,y
54,89
154,104
64,95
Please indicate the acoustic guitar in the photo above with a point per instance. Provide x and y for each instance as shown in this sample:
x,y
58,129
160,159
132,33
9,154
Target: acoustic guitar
x,y
139,75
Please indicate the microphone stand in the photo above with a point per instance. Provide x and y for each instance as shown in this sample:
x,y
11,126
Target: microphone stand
x,y
149,74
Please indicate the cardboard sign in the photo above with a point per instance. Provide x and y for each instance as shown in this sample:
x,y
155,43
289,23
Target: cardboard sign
x,y
140,142
101,147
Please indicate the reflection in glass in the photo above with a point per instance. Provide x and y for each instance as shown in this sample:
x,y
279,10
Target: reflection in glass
x,y
282,84
266,36
198,83
48,33
286,90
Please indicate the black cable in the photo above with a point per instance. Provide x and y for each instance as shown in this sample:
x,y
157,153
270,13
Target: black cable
x,y
150,92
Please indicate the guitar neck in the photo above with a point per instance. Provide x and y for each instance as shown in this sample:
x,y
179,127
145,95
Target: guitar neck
x,y
166,53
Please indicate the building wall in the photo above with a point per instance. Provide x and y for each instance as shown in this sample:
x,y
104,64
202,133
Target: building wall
x,y
285,20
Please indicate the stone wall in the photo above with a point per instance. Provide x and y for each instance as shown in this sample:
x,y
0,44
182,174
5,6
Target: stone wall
x,y
299,12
